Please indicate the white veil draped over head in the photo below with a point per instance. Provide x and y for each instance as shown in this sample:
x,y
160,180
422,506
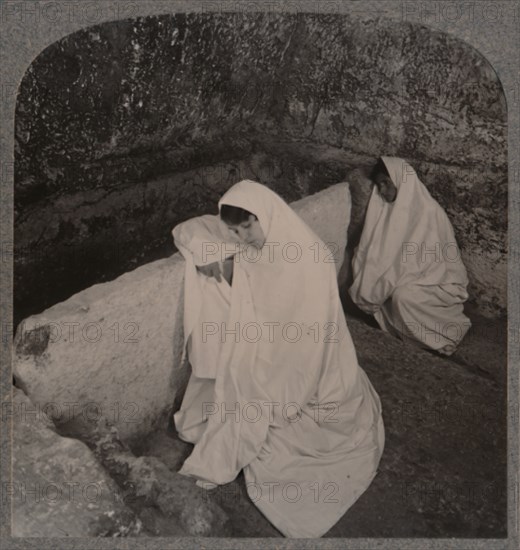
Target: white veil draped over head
x,y
286,361
410,240
409,244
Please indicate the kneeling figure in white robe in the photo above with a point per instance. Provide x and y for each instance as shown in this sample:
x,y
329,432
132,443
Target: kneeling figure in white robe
x,y
275,390
407,269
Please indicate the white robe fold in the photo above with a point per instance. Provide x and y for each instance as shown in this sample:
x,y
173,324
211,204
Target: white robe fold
x,y
407,269
284,399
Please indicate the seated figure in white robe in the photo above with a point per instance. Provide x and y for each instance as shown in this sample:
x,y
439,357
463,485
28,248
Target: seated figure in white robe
x,y
276,389
407,269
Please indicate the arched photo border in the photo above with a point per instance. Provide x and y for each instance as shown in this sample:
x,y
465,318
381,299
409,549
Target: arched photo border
x,y
491,28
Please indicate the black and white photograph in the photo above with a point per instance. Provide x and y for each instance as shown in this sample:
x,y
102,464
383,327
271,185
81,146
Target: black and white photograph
x,y
259,274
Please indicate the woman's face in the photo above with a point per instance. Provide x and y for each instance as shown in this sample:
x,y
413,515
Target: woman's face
x,y
249,232
386,187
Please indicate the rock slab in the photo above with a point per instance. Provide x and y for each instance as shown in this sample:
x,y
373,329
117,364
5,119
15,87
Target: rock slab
x,y
58,488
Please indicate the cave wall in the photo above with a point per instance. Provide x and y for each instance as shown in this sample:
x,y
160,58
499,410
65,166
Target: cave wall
x,y
127,128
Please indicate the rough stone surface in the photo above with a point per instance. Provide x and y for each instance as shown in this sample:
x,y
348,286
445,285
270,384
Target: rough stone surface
x,y
114,350
327,213
58,488
178,496
151,489
170,450
105,114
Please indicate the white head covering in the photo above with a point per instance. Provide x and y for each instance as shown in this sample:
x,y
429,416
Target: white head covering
x,y
410,240
287,267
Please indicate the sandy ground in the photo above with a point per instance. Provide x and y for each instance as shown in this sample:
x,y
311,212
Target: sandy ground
x,y
443,471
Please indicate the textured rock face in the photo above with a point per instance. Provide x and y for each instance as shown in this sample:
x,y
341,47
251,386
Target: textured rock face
x,y
104,115
158,494
58,487
114,351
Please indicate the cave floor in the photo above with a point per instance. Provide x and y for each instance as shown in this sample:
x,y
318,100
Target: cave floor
x,y
443,470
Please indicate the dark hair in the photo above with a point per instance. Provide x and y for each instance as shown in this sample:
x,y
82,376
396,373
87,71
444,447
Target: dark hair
x,y
233,215
379,168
